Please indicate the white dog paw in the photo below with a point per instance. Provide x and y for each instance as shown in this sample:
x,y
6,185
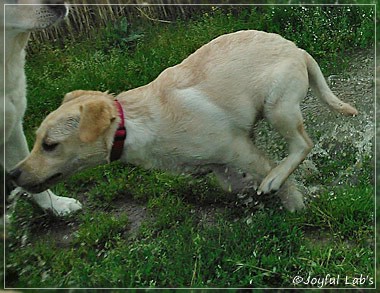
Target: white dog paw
x,y
65,206
60,206
292,199
269,184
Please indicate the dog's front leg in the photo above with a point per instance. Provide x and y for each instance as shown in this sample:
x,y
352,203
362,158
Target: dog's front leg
x,y
245,156
16,147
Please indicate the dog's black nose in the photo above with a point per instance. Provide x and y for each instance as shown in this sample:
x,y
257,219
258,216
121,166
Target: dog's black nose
x,y
57,6
15,174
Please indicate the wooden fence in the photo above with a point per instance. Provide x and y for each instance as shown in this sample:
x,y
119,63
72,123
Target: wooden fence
x,y
85,15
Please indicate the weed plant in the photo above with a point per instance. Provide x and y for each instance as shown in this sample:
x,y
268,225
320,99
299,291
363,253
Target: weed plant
x,y
179,244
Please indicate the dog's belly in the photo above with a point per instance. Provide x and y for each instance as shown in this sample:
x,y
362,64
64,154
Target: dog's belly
x,y
182,152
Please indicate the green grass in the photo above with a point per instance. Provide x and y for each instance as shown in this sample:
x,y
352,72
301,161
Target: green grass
x,y
183,242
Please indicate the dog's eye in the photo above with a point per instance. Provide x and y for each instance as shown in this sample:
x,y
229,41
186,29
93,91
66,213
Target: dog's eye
x,y
49,147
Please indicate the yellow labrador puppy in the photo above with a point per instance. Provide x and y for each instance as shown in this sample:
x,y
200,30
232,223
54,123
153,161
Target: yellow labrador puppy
x,y
197,114
19,18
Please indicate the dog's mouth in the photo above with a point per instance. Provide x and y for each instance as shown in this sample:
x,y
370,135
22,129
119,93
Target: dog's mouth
x,y
44,185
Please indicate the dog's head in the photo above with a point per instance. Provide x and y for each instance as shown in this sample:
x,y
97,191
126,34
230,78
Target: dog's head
x,y
29,15
78,135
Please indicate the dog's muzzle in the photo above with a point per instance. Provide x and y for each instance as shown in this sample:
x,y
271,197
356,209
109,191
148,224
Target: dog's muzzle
x,y
16,174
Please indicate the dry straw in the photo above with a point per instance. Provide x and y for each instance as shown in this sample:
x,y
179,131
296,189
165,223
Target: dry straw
x,y
85,16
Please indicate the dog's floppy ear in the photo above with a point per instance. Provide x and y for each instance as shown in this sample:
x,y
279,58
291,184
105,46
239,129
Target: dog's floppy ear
x,y
73,95
78,93
95,118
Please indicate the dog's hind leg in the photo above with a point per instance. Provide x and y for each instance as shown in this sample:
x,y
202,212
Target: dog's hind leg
x,y
234,180
247,157
286,117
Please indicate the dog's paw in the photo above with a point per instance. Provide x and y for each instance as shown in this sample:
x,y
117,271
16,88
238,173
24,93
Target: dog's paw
x,y
270,183
58,205
65,206
292,199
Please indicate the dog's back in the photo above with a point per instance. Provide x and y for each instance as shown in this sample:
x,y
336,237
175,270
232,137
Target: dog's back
x,y
244,68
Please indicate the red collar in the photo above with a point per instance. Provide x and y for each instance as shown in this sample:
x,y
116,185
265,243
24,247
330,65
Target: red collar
x,y
120,135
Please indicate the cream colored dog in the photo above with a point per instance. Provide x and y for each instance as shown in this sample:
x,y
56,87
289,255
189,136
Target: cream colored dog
x,y
195,115
19,18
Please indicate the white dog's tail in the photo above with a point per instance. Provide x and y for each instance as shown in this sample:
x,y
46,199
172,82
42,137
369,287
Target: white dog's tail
x,y
322,90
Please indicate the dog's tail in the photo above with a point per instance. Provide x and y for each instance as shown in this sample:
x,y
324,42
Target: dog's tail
x,y
322,90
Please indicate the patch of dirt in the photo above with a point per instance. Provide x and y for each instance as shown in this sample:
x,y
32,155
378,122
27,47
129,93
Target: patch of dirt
x,y
207,216
60,232
319,237
356,85
136,212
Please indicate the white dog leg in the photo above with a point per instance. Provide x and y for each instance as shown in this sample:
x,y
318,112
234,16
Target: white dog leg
x,y
291,197
286,117
48,201
59,205
247,157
